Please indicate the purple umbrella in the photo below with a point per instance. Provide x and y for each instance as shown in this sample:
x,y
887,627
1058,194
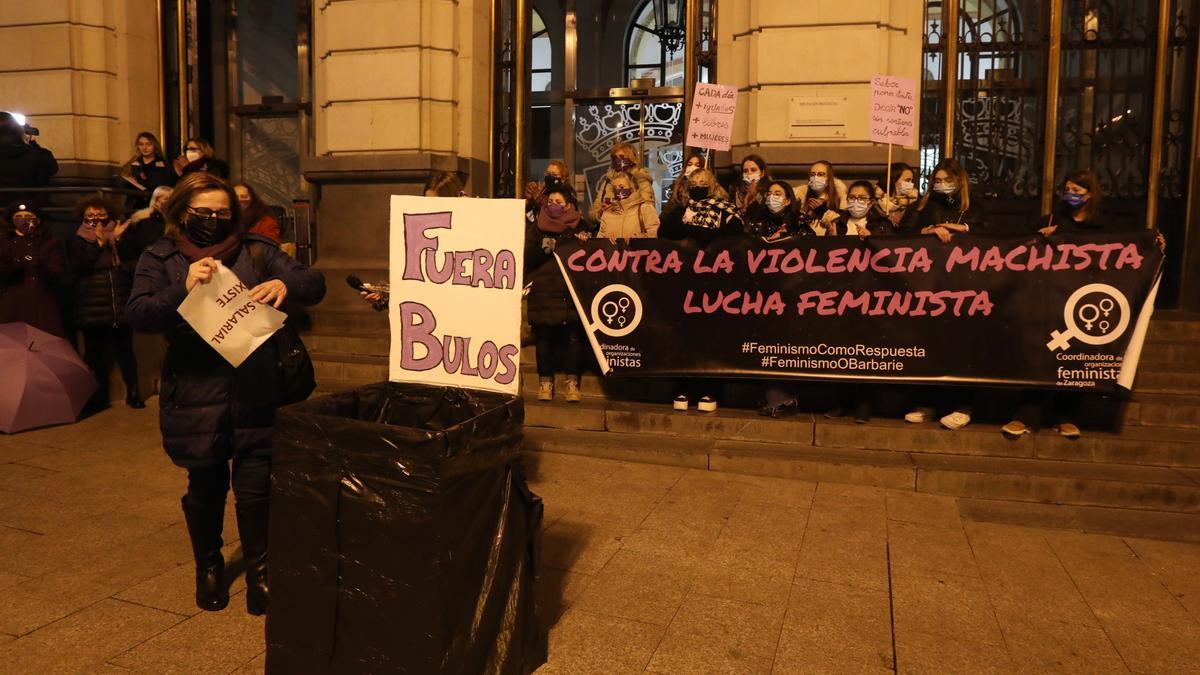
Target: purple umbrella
x,y
45,381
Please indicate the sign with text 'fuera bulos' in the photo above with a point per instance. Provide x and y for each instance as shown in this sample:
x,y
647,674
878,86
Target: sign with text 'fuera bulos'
x,y
1066,311
455,291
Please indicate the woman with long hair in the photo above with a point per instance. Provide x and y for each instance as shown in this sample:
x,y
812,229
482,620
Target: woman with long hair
x,y
823,198
894,200
198,155
147,170
679,189
216,420
625,160
746,193
947,208
256,217
443,184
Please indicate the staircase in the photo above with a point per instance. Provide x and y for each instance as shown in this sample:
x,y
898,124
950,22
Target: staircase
x,y
1135,471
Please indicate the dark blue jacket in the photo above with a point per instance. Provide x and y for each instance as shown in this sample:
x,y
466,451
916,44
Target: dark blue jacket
x,y
210,411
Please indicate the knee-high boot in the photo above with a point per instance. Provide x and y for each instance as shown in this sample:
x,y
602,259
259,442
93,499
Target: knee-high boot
x,y
252,526
204,523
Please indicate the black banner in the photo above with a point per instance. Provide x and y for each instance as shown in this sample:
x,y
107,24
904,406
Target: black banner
x,y
1061,311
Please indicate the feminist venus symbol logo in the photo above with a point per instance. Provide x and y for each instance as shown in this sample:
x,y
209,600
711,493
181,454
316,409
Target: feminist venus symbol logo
x,y
616,310
1103,318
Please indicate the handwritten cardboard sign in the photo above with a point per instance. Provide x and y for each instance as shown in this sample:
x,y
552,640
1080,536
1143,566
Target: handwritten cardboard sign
x,y
223,313
893,116
456,291
710,124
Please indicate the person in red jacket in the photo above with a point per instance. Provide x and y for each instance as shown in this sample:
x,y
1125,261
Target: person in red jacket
x,y
256,219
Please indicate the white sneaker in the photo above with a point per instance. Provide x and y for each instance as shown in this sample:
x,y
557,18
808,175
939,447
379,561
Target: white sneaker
x,y
920,415
545,389
956,420
680,403
706,404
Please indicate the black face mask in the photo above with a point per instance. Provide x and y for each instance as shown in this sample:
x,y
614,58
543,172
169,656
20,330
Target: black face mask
x,y
551,181
207,231
697,193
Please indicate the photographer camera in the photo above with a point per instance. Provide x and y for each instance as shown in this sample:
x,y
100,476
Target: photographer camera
x,y
23,163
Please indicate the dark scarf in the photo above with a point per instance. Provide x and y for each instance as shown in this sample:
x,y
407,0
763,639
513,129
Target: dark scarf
x,y
710,212
109,258
226,251
569,220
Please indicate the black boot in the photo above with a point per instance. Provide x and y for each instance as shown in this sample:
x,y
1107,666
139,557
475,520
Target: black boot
x,y
252,526
204,522
133,397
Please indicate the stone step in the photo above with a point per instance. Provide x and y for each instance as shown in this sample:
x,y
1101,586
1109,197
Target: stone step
x,y
1157,379
349,367
1172,354
1164,410
1175,325
350,321
358,344
1040,481
1134,445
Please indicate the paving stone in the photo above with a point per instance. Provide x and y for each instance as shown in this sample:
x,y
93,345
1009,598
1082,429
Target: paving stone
x,y
712,635
846,538
808,463
639,586
256,666
922,509
1177,567
26,452
173,590
848,629
557,590
83,641
919,652
187,647
1181,527
568,468
579,547
1040,645
688,452
931,551
955,608
735,570
583,643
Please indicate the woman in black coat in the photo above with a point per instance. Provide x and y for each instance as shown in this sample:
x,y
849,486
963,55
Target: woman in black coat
x,y
707,216
32,266
103,258
551,310
147,170
212,414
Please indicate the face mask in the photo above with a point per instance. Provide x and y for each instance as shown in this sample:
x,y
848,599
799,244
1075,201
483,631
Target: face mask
x,y
817,184
775,203
622,193
691,169
555,210
192,155
750,178
858,209
697,193
621,163
946,189
551,181
1074,199
905,187
244,204
206,231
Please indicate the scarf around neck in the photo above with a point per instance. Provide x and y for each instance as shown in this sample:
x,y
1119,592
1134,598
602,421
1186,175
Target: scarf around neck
x,y
569,220
226,250
710,212
88,234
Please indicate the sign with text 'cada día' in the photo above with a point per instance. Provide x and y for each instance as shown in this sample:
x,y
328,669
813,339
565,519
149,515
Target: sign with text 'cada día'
x,y
710,123
455,292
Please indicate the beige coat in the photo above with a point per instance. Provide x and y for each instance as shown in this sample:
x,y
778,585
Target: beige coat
x,y
645,188
635,219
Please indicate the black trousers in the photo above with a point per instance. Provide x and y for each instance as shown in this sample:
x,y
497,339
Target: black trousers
x,y
559,349
251,481
101,346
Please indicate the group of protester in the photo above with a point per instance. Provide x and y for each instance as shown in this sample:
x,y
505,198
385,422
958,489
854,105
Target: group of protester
x,y
117,275
760,206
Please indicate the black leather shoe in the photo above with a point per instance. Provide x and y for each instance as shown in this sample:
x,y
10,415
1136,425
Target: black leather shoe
x,y
252,527
133,398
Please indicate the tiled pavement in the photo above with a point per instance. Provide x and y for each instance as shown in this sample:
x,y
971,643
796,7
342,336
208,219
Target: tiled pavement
x,y
647,569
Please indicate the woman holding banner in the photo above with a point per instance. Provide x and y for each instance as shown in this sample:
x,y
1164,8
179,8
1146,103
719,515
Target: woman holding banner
x,y
861,218
947,209
216,420
776,218
823,198
900,195
707,216
679,189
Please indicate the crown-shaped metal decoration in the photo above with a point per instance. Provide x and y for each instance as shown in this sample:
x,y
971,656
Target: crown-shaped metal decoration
x,y
600,127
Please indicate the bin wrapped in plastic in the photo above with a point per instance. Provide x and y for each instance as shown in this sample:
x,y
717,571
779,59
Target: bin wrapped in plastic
x,y
403,535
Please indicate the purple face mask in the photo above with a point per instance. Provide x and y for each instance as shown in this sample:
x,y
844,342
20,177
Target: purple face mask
x,y
555,210
620,163
622,193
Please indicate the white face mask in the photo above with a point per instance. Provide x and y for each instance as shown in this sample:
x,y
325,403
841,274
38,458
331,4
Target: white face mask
x,y
192,155
775,203
945,188
858,209
905,187
751,177
817,184
689,170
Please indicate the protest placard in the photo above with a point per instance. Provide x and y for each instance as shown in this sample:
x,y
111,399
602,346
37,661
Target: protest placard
x,y
223,313
456,282
710,123
893,115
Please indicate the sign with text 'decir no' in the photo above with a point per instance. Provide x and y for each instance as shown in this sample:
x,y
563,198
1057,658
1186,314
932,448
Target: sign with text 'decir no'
x,y
455,301
893,116
710,124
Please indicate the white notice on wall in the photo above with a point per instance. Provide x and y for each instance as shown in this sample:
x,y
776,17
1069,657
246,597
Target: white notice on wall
x,y
223,313
456,287
817,117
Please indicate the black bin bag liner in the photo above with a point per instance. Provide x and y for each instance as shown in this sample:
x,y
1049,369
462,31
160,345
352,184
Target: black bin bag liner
x,y
403,537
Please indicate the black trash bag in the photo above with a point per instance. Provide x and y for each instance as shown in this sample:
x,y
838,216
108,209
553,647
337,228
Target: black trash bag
x,y
403,535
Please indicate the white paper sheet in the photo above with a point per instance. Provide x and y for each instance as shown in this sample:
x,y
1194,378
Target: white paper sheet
x,y
223,313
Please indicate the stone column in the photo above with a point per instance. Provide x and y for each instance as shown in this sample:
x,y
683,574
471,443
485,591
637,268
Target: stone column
x,y
775,51
401,88
86,74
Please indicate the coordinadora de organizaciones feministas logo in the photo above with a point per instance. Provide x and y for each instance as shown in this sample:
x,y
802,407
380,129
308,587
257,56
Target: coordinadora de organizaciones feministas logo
x,y
1095,314
616,310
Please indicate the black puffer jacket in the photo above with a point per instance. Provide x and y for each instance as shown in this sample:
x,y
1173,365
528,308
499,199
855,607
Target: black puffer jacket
x,y
210,411
101,287
549,302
